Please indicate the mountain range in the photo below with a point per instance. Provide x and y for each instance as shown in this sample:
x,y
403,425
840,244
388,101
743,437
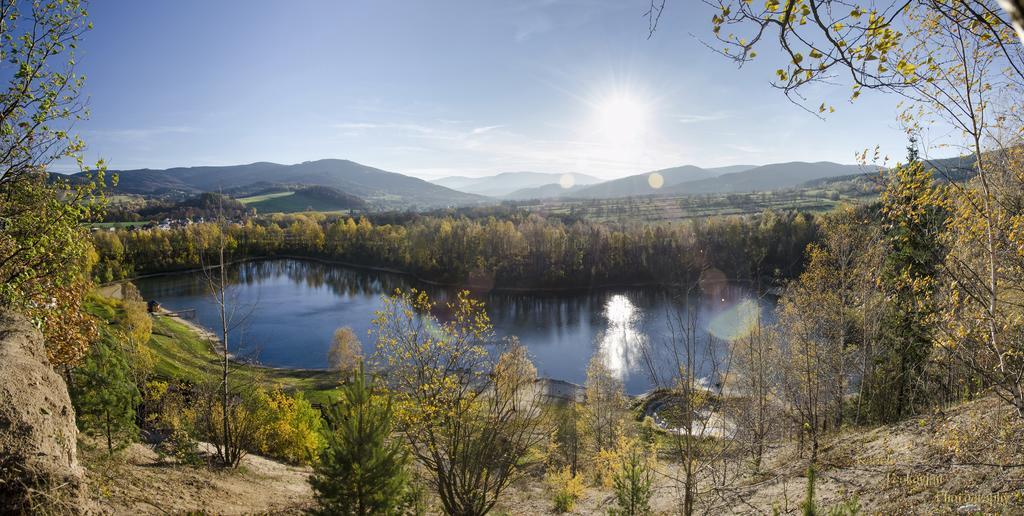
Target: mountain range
x,y
380,188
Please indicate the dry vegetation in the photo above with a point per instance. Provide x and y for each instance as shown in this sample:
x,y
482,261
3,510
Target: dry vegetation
x,y
930,464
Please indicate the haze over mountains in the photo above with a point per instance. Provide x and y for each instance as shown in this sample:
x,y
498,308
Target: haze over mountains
x,y
501,185
688,179
382,189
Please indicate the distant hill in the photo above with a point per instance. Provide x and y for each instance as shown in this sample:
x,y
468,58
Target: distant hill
x,y
767,177
639,184
501,185
311,198
379,187
543,192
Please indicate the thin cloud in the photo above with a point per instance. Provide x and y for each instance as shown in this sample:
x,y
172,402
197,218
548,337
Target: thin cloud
x,y
485,129
694,118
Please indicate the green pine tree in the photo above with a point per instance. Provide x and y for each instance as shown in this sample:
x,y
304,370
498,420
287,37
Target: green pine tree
x,y
105,396
809,507
632,482
362,470
911,224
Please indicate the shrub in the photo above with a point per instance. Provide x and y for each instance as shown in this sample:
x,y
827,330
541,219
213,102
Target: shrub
x,y
565,489
292,429
605,463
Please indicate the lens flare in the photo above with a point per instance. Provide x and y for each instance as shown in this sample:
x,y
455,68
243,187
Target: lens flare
x,y
655,180
566,181
735,322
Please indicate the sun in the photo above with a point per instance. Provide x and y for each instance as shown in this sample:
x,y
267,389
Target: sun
x,y
621,118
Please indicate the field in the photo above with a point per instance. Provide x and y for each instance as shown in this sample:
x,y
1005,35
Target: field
x,y
289,202
669,208
182,354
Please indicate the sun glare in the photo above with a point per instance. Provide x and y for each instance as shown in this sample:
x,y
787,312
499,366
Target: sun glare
x,y
621,117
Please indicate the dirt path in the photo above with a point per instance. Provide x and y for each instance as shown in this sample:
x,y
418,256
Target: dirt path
x,y
135,481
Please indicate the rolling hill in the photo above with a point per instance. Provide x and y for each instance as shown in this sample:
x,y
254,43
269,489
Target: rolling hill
x,y
501,185
378,187
638,184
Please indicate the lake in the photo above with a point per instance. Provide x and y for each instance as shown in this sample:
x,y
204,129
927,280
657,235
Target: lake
x,y
286,312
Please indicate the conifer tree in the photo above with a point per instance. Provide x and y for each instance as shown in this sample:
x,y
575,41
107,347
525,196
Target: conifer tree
x,y
809,507
632,481
362,470
105,396
911,226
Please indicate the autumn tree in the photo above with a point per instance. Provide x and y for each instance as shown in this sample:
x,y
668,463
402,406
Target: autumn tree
x,y
756,379
346,352
604,412
468,420
43,246
822,314
686,366
568,436
957,62
229,412
981,317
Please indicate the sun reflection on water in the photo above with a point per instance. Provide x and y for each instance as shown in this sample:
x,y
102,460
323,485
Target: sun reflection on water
x,y
622,341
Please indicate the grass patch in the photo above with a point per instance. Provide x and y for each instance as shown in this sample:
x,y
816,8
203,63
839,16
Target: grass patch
x,y
290,202
264,197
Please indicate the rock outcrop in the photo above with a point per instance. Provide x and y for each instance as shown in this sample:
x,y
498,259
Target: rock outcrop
x,y
38,461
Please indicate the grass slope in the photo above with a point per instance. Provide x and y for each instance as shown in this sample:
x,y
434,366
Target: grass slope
x,y
183,354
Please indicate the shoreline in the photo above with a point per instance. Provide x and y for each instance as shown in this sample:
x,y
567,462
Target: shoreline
x,y
563,388
216,346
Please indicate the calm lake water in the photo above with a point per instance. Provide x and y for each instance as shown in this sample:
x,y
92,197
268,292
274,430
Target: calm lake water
x,y
286,312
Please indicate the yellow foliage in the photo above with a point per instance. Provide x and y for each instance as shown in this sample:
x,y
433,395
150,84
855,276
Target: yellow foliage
x,y
565,488
606,463
291,427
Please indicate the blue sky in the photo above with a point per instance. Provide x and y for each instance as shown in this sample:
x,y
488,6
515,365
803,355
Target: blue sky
x,y
445,88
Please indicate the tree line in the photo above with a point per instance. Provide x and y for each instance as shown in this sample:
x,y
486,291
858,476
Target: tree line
x,y
520,251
